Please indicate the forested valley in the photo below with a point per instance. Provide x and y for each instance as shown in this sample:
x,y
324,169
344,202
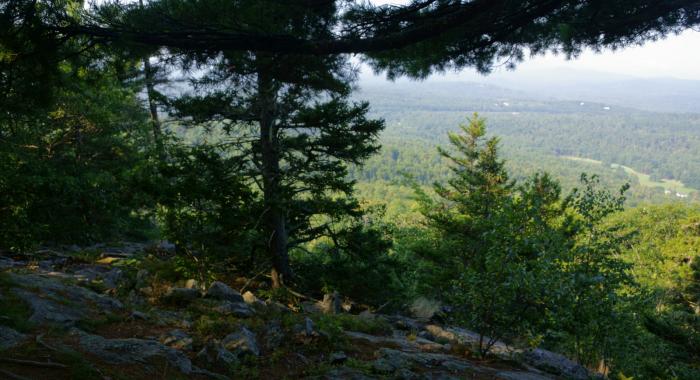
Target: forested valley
x,y
656,153
198,189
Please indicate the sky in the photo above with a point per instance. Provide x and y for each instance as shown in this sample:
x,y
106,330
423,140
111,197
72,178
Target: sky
x,y
676,56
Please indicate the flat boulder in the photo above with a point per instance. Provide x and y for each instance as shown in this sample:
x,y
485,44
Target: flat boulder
x,y
338,357
132,351
237,309
110,277
52,301
555,363
220,291
391,360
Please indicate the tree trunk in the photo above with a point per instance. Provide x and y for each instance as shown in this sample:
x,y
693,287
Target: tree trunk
x,y
277,237
152,106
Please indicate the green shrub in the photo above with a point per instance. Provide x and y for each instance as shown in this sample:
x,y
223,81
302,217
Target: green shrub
x,y
69,171
209,212
357,262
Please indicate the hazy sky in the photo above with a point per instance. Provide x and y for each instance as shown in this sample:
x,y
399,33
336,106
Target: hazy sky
x,y
675,56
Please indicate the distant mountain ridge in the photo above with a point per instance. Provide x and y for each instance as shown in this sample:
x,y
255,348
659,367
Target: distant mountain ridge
x,y
662,94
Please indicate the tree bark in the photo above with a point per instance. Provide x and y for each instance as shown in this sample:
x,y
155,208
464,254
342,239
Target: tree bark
x,y
152,106
275,218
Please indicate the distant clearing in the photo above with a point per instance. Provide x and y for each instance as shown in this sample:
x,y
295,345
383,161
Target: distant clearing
x,y
644,179
582,159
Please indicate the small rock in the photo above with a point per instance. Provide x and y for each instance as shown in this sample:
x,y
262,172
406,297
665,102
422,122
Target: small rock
x,y
351,307
10,338
338,357
309,327
220,291
180,296
277,307
237,309
249,297
191,284
331,304
138,315
178,340
424,308
252,300
367,315
242,343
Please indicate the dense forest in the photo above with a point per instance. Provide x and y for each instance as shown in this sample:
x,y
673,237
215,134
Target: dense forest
x,y
231,141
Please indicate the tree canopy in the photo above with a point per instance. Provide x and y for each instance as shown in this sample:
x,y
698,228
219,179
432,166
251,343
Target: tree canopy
x,y
412,39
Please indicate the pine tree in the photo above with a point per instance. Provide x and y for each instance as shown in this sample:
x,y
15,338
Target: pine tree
x,y
496,240
290,119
